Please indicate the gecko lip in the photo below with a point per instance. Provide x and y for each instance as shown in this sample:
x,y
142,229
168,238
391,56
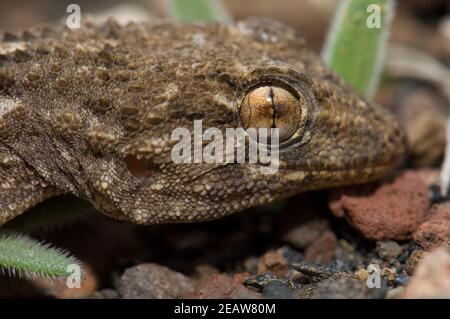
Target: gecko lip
x,y
383,156
290,173
329,179
343,171
339,165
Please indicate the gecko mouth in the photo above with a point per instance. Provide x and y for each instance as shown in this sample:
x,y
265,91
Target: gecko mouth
x,y
341,172
387,157
293,175
342,164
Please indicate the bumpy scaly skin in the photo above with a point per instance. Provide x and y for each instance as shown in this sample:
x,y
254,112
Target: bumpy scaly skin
x,y
75,104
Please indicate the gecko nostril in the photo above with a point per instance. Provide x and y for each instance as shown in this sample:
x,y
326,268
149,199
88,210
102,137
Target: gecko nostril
x,y
137,167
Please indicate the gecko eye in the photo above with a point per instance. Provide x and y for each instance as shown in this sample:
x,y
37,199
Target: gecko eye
x,y
271,107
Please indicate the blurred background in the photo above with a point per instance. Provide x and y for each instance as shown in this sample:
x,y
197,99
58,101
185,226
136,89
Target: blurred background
x,y
416,75
422,23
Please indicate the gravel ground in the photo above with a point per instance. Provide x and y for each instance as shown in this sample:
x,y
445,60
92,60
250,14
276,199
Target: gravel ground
x,y
294,249
327,244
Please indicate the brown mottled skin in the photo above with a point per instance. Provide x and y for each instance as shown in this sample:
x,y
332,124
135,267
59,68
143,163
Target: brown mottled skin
x,y
80,110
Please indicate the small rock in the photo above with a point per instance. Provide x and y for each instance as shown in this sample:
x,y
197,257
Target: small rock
x,y
342,288
323,250
389,274
260,281
403,257
316,273
219,286
388,249
401,280
291,255
414,258
152,281
273,261
362,274
432,276
247,294
306,233
436,229
338,265
348,255
204,270
393,210
277,289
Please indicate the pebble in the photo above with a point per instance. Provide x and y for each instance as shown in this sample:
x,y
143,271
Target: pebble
x,y
323,250
388,249
292,255
315,272
389,274
260,281
338,265
390,211
273,261
436,229
401,280
432,276
220,286
362,274
277,289
342,288
414,258
152,281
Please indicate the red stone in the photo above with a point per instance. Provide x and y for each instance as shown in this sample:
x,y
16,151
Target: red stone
x,y
392,210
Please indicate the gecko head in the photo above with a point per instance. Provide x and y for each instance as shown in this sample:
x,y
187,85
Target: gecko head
x,y
254,75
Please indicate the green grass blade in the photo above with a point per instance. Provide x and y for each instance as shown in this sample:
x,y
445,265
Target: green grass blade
x,y
198,10
355,49
25,257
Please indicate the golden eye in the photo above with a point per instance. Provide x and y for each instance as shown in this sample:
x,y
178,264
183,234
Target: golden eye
x,y
271,107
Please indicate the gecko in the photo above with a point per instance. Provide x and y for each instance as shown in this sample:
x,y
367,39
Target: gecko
x,y
90,112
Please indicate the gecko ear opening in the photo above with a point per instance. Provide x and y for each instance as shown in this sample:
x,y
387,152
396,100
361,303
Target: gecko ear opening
x,y
137,166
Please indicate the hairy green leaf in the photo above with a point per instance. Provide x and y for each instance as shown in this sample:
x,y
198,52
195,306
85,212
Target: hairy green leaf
x,y
25,257
198,10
